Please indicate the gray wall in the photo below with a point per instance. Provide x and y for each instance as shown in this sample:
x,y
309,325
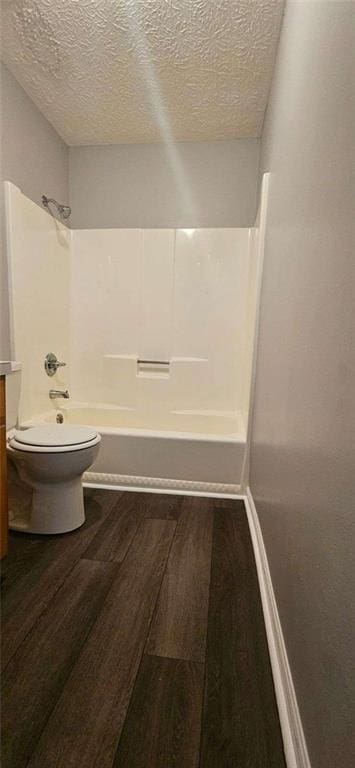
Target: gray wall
x,y
302,464
35,158
200,184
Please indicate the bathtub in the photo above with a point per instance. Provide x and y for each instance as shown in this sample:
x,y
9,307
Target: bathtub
x,y
178,450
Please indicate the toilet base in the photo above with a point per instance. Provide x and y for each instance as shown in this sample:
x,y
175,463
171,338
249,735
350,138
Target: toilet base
x,y
56,508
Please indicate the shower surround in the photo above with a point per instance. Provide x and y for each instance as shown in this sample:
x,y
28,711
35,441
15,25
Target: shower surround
x,y
157,329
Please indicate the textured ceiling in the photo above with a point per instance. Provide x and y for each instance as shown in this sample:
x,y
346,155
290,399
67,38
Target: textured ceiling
x,y
118,71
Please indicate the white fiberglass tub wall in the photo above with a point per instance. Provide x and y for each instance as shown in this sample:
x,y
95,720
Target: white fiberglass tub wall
x,y
38,248
179,296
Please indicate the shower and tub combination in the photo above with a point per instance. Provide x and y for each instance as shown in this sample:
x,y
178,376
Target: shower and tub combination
x,y
157,330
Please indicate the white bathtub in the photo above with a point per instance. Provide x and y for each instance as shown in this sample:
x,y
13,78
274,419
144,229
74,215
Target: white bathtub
x,y
179,450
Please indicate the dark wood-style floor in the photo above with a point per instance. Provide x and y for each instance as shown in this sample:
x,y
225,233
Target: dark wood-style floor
x,y
138,641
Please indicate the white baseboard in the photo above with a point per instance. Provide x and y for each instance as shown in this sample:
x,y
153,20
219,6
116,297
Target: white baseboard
x,y
291,726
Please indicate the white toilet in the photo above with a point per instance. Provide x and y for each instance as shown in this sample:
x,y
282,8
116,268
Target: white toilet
x,y
51,459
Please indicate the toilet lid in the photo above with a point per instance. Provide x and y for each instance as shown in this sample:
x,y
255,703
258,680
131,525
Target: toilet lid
x,y
55,435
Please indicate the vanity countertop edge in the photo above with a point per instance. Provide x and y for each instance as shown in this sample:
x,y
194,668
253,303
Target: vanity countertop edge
x,y
9,366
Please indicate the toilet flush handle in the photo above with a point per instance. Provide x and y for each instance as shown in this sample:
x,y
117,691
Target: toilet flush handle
x,y
51,364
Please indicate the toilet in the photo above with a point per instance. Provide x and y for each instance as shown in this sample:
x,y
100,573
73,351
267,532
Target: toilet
x,y
51,459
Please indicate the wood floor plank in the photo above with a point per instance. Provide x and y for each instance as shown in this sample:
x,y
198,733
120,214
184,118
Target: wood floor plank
x,y
160,506
26,549
179,627
86,723
115,535
240,721
230,505
35,676
162,728
29,586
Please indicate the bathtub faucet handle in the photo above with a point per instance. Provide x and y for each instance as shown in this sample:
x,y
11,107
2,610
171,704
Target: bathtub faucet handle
x,y
51,364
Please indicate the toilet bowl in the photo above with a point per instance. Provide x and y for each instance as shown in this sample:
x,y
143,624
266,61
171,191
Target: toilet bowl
x,y
51,459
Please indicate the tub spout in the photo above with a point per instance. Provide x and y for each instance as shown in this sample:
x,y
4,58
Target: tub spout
x,y
54,393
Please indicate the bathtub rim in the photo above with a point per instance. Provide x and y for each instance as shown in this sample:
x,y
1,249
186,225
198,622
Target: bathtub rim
x,y
168,434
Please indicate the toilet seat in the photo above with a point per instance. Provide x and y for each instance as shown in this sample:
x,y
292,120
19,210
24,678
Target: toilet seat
x,y
54,438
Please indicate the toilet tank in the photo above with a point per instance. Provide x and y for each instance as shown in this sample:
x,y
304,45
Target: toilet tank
x,y
13,389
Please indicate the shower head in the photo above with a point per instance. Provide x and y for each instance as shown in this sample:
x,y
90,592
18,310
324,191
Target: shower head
x,y
63,210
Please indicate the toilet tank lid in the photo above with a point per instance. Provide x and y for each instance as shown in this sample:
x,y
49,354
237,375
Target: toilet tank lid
x,y
55,435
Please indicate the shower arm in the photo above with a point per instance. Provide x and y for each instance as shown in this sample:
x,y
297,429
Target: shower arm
x,y
63,210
